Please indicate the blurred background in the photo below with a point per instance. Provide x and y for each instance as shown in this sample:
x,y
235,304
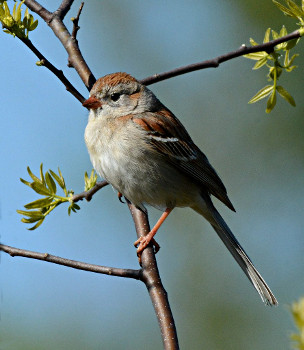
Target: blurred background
x,y
258,156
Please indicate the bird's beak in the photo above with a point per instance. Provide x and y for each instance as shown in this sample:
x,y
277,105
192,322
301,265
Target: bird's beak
x,y
92,103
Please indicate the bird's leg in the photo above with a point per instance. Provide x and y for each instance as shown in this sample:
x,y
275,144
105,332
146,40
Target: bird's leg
x,y
143,242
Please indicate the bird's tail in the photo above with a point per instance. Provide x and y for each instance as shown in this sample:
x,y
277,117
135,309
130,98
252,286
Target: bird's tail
x,y
225,234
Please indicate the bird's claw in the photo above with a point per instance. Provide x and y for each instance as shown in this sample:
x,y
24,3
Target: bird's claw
x,y
142,243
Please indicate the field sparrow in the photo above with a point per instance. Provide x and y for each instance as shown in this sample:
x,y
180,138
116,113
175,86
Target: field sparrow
x,y
146,154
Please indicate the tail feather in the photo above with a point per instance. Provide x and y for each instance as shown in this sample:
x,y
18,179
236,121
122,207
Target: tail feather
x,y
225,234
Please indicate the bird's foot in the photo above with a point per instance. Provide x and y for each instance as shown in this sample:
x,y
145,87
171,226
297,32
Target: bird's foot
x,y
142,243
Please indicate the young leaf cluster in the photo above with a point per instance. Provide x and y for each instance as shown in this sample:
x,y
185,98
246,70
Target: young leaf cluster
x,y
13,23
45,185
90,182
297,310
277,61
293,10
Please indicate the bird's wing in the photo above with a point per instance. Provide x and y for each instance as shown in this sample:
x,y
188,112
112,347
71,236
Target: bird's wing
x,y
169,137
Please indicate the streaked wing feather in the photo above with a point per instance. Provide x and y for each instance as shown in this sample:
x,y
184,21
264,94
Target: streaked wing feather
x,y
169,137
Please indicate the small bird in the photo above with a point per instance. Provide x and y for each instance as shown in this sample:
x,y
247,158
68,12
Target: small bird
x,y
139,146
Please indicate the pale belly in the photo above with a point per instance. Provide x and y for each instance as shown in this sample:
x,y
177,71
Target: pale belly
x,y
139,174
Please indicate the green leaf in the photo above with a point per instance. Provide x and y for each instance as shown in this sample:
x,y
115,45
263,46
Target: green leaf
x,y
291,68
262,93
271,102
275,72
41,174
293,58
18,12
291,43
58,179
256,55
260,63
39,203
275,35
252,42
8,32
26,13
283,31
32,214
50,183
286,95
34,177
266,37
61,177
14,10
86,177
40,189
295,9
6,9
284,9
76,206
33,26
26,182
37,225
31,19
30,220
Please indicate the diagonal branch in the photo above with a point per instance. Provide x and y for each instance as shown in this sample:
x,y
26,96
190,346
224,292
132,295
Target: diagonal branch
x,y
64,8
105,270
54,20
89,194
59,73
215,62
40,10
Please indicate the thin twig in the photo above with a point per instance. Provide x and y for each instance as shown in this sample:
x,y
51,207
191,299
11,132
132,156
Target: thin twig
x,y
59,74
105,270
215,62
75,21
89,194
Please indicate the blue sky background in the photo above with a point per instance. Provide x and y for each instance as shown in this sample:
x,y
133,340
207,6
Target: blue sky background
x,y
258,156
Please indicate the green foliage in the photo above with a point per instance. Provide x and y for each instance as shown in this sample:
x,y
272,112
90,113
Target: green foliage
x,y
297,310
45,185
13,23
293,10
90,182
276,62
279,59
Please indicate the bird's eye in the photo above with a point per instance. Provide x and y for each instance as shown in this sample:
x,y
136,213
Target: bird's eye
x,y
115,96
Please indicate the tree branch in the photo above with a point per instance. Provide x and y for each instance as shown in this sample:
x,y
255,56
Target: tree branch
x,y
59,73
89,194
75,21
40,10
215,62
64,8
105,270
54,21
152,280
